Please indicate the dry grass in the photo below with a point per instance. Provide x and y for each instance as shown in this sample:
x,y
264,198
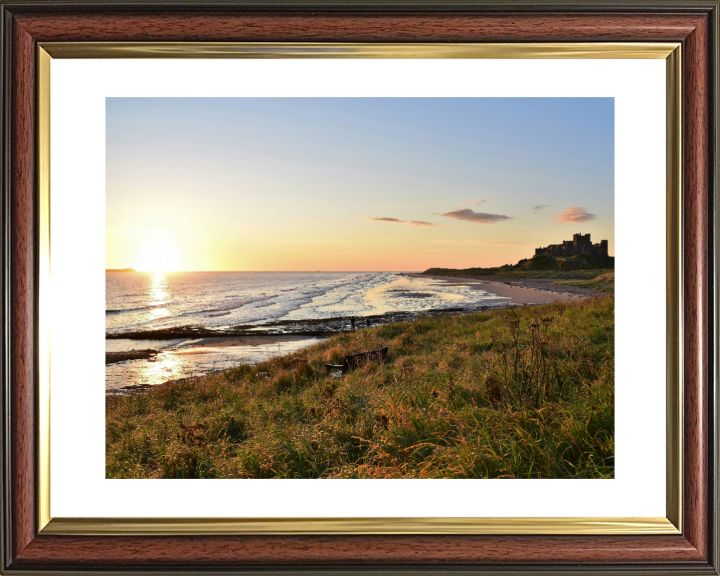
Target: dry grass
x,y
602,283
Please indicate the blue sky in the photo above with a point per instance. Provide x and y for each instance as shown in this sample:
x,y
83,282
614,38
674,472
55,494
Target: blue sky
x,y
355,183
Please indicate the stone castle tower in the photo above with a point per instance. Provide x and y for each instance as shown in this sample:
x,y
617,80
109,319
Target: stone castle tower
x,y
580,244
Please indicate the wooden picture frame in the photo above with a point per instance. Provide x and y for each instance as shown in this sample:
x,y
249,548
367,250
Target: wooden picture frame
x,y
30,548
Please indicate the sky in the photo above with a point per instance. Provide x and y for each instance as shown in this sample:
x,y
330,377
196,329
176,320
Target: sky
x,y
371,184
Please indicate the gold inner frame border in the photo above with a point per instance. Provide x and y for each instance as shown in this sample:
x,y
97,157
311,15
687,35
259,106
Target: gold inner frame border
x,y
671,524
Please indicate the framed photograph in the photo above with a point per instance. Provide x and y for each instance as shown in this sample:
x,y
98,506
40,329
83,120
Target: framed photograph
x,y
359,287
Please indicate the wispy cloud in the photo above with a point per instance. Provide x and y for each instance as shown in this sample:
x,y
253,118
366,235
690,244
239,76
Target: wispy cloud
x,y
473,203
398,221
389,220
477,217
541,206
575,214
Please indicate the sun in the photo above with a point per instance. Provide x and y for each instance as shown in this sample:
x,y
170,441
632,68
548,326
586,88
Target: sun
x,y
158,254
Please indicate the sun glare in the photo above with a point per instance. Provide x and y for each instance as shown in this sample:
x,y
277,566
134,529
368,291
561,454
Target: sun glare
x,y
159,254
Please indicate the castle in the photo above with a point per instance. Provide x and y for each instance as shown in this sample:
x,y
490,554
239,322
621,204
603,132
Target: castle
x,y
580,244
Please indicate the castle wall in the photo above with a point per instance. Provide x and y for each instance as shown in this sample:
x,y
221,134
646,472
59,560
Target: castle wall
x,y
580,244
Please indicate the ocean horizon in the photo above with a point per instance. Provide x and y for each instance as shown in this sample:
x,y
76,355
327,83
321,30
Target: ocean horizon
x,y
149,301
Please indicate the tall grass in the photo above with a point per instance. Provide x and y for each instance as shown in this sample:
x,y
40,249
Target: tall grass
x,y
602,283
510,274
522,393
552,274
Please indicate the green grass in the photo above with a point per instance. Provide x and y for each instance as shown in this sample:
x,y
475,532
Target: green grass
x,y
551,274
510,274
465,271
591,285
602,283
536,267
522,393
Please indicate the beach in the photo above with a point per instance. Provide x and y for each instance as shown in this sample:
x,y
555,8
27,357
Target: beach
x,y
530,291
193,358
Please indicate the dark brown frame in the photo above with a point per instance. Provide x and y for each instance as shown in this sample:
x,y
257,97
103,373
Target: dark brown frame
x,y
694,23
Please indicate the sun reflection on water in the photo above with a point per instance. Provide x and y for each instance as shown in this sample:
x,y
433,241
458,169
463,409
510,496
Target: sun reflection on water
x,y
158,294
194,360
158,288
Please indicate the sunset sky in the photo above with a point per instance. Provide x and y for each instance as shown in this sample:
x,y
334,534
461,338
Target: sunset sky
x,y
372,184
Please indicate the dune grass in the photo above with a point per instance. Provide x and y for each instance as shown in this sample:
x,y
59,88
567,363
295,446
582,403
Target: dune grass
x,y
521,393
537,267
520,274
551,274
602,283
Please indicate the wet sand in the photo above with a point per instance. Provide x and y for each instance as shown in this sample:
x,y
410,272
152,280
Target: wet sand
x,y
532,291
111,357
210,345
198,357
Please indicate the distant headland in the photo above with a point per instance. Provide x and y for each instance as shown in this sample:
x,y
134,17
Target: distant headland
x,y
119,270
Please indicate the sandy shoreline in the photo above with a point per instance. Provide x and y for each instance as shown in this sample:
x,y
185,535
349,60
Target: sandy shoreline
x,y
533,291
198,357
211,344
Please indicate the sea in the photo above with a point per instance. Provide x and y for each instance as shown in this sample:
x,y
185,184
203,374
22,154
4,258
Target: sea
x,y
273,310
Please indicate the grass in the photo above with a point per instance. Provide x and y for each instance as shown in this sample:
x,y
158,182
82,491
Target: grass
x,y
521,393
602,283
536,267
551,274
518,274
591,285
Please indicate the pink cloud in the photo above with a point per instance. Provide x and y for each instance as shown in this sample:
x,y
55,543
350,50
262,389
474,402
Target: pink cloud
x,y
575,214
